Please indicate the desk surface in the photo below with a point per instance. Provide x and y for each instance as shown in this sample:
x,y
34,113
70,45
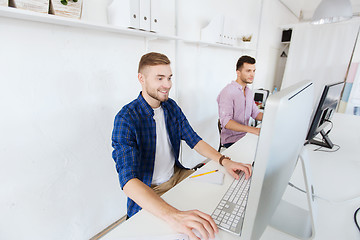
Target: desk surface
x,y
335,177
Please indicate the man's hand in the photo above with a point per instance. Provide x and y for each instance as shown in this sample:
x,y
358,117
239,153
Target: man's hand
x,y
181,221
185,221
233,167
255,130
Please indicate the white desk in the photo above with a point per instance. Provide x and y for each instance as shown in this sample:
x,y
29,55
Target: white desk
x,y
335,176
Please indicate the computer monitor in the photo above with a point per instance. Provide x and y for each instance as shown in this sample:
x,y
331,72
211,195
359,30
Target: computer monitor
x,y
260,96
322,117
284,128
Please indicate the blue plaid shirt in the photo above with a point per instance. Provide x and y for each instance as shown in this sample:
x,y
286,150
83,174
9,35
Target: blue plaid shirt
x,y
134,141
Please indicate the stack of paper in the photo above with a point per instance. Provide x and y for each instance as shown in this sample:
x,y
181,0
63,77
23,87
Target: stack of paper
x,y
207,175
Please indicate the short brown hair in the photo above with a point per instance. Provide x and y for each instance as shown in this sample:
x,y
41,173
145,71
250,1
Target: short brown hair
x,y
244,59
153,59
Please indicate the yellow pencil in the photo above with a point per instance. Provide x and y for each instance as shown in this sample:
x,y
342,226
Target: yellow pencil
x,y
204,173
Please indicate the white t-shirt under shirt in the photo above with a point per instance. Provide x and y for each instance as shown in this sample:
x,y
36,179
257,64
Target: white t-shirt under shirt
x,y
164,157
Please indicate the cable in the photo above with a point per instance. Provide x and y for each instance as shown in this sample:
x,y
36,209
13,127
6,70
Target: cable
x,y
297,188
319,149
333,202
332,125
324,199
355,219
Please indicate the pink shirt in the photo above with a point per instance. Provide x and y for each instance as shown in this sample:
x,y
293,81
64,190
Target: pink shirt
x,y
233,105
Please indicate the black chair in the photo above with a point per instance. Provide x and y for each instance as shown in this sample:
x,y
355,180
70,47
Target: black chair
x,y
219,128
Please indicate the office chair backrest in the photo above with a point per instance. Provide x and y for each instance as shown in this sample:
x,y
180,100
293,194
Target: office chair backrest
x,y
219,128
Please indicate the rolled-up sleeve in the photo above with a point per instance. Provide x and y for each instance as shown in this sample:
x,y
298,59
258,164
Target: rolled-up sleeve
x,y
125,153
255,110
226,107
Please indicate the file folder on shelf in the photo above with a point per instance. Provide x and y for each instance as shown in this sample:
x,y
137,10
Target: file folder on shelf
x,y
145,15
124,13
155,12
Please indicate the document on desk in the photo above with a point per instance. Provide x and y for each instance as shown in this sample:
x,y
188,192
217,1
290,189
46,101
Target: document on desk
x,y
208,175
178,236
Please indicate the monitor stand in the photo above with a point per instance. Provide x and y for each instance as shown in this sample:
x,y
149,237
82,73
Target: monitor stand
x,y
325,143
292,219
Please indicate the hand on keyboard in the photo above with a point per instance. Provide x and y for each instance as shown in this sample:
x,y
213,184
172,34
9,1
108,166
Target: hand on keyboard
x,y
234,167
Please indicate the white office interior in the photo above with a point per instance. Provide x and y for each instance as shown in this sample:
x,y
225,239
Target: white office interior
x,y
64,79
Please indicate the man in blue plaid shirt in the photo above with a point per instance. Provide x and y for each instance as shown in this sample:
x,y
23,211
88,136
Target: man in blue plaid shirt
x,y
146,141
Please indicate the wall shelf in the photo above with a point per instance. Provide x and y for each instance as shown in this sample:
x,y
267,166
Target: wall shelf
x,y
20,14
219,45
14,13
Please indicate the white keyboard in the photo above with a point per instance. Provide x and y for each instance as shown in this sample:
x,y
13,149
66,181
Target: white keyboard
x,y
229,213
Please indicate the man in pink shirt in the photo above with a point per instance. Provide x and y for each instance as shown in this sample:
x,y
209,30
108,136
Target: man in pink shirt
x,y
236,104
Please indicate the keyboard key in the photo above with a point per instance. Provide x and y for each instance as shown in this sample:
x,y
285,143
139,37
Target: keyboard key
x,y
229,213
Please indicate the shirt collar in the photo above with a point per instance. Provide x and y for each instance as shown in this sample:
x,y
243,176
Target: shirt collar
x,y
236,84
145,106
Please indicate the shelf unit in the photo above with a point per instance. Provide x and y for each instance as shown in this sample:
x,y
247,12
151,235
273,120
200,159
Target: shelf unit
x,y
219,45
14,13
20,14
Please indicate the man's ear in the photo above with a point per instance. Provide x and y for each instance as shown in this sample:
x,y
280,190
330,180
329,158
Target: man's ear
x,y
141,78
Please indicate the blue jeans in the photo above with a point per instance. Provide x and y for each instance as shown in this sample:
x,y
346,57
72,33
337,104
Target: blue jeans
x,y
227,145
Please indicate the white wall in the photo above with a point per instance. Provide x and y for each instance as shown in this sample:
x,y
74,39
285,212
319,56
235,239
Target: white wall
x,y
203,71
320,53
274,16
353,79
60,90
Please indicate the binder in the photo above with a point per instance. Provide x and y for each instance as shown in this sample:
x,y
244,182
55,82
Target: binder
x,y
155,12
144,15
134,6
124,13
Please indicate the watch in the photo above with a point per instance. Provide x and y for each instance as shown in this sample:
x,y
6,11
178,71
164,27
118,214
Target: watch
x,y
222,158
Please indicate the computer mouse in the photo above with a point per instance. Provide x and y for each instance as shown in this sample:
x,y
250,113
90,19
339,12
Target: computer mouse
x,y
197,233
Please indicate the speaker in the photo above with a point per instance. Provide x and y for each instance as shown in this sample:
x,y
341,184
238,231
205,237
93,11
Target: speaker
x,y
286,35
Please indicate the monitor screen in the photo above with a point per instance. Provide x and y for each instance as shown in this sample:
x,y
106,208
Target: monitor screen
x,y
258,97
284,128
322,117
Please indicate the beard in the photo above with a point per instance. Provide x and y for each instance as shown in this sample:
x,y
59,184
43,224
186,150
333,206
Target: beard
x,y
154,94
247,81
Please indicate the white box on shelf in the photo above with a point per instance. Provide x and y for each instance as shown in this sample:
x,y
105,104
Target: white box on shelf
x,y
41,6
229,33
71,10
213,32
124,13
4,3
145,18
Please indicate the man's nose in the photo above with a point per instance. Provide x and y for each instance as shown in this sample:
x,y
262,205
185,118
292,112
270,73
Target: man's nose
x,y
167,84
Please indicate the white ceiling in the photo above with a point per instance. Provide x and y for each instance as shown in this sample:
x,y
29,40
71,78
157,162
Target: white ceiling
x,y
304,9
